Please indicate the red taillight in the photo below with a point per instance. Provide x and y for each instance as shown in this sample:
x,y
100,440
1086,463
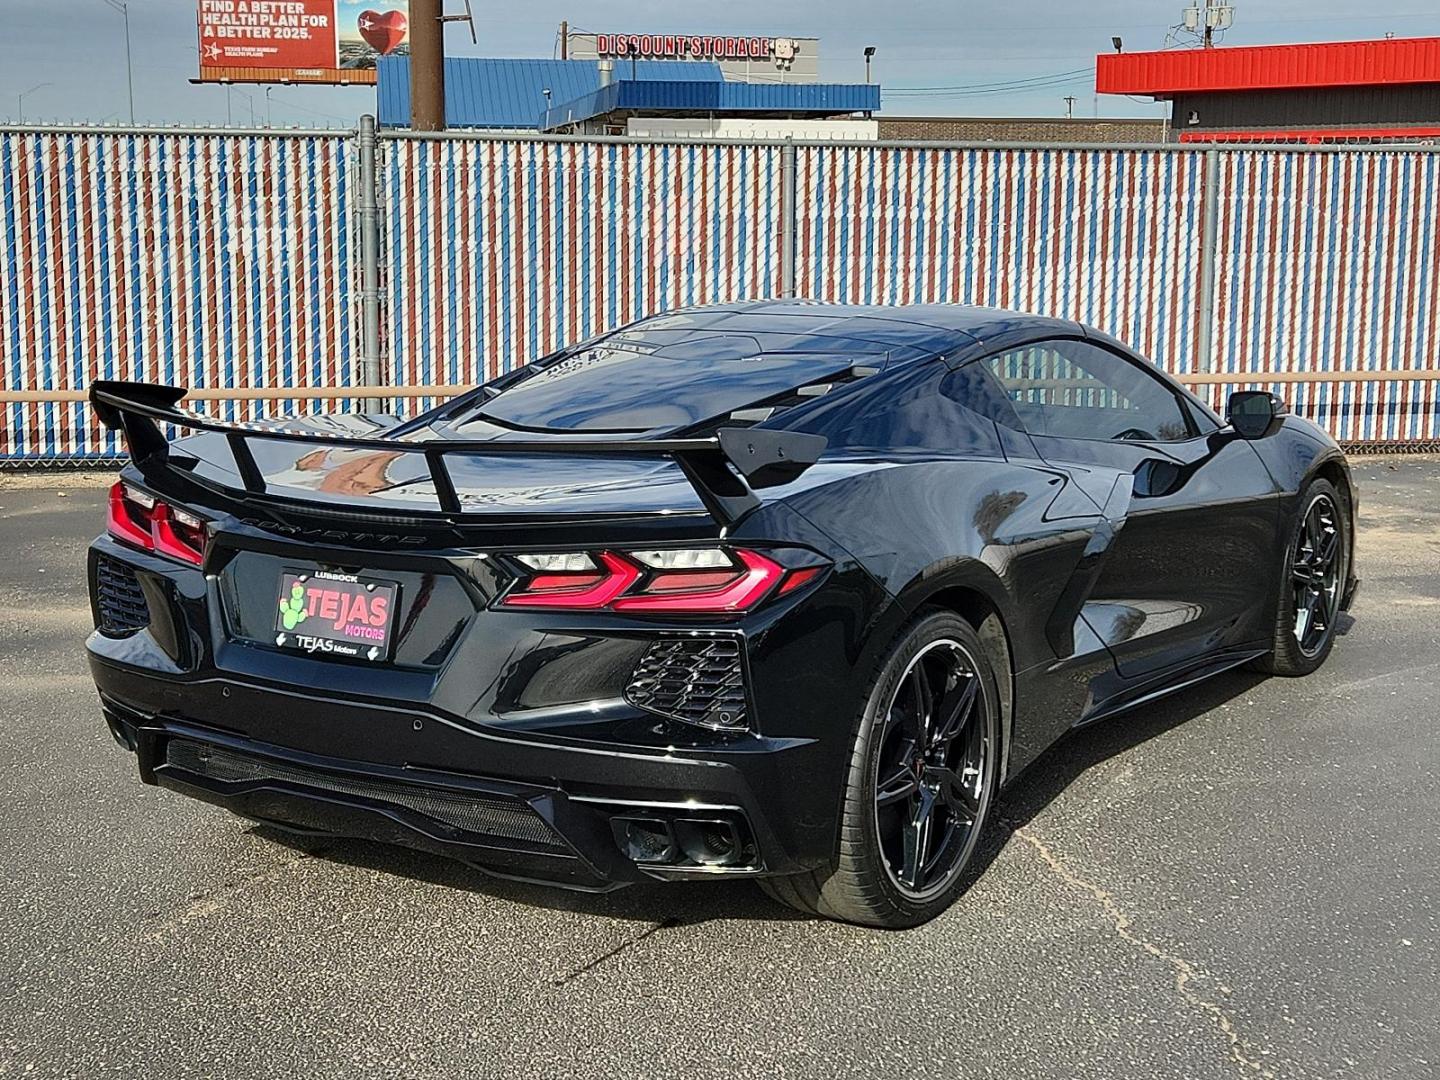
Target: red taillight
x,y
129,521
176,537
586,589
741,589
681,581
151,525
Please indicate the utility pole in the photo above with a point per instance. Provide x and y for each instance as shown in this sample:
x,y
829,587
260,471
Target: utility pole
x,y
20,100
1205,17
1070,107
564,39
124,10
427,66
369,265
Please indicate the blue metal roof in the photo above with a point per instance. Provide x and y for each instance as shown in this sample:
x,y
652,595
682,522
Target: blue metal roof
x,y
673,96
492,93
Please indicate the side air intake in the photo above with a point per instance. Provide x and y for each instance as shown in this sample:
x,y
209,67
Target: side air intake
x,y
697,680
119,599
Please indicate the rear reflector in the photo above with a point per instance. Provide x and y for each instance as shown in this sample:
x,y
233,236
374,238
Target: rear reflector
x,y
800,577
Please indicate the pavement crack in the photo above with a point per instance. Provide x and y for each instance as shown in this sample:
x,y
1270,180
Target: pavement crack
x,y
1242,1052
628,943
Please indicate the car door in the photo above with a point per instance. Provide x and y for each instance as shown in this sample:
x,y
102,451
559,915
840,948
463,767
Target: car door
x,y
1190,569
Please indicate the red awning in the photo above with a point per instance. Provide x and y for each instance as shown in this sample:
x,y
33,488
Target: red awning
x,y
1270,67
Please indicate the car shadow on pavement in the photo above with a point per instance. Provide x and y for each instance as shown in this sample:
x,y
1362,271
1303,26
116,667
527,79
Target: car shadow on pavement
x,y
687,903
671,904
1083,748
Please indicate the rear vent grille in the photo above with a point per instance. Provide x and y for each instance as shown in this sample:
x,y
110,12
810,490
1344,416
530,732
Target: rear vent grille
x,y
760,411
119,597
700,680
507,819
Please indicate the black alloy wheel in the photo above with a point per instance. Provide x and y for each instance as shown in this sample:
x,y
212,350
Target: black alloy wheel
x,y
922,775
932,761
1312,585
1315,575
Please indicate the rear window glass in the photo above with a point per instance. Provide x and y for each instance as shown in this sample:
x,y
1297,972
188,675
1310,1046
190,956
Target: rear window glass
x,y
611,388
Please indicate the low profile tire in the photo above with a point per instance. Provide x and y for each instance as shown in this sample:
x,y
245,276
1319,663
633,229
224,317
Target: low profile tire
x,y
919,785
1317,564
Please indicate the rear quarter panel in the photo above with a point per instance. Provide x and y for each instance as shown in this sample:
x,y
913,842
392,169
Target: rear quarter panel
x,y
1012,533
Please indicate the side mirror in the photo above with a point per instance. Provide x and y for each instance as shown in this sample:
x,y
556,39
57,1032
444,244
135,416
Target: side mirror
x,y
1253,413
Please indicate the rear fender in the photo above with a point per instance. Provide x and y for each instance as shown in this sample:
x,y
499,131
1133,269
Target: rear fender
x,y
1025,538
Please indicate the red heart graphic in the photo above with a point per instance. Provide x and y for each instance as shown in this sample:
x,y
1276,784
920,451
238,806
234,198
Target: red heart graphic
x,y
383,31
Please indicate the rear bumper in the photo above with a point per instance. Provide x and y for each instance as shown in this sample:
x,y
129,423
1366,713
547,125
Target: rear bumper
x,y
517,806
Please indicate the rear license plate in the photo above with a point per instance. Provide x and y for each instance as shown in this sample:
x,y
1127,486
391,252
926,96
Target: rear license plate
x,y
336,614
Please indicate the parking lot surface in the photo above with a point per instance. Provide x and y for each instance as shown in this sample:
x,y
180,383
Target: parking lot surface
x,y
1239,881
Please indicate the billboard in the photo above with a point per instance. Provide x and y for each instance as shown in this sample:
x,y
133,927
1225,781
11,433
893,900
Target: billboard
x,y
317,41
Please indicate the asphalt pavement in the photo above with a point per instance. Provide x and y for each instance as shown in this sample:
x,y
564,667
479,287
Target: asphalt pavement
x,y
1240,881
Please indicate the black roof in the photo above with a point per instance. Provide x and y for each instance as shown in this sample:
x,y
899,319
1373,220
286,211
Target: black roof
x,y
908,331
684,367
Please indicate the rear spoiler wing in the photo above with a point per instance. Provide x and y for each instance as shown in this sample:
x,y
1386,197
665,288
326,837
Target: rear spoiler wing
x,y
724,469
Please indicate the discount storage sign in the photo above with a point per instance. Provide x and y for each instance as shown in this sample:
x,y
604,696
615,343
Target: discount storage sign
x,y
299,40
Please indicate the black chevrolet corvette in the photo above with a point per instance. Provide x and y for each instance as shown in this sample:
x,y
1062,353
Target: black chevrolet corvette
x,y
774,590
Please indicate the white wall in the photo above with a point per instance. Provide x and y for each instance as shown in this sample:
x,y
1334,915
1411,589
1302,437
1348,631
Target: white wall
x,y
733,128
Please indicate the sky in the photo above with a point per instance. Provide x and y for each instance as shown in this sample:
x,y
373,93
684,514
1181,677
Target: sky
x,y
64,60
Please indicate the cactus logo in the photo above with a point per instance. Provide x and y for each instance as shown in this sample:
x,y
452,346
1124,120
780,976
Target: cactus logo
x,y
292,607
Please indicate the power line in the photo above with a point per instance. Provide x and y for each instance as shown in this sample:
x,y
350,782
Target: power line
x,y
316,112
1007,84
984,93
1057,84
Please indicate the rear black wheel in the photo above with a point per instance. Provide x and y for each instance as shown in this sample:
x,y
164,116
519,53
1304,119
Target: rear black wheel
x,y
921,779
1317,565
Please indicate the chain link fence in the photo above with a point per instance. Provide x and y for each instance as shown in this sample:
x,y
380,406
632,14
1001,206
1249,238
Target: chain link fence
x,y
235,263
220,262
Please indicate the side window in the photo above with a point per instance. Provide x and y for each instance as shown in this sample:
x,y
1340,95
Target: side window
x,y
909,409
972,386
1076,390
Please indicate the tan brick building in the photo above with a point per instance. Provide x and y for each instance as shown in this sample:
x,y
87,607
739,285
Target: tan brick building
x,y
1018,129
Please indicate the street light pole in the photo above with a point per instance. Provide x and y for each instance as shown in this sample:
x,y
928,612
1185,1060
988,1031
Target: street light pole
x,y
124,9
20,100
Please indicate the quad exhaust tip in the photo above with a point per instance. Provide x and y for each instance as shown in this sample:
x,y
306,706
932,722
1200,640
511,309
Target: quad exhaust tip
x,y
683,841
